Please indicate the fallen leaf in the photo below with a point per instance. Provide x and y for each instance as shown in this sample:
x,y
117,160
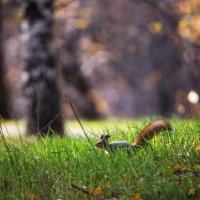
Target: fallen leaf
x,y
33,196
191,192
178,167
97,191
137,196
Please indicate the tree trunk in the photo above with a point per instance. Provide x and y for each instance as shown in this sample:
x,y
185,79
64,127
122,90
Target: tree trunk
x,y
3,93
39,77
72,75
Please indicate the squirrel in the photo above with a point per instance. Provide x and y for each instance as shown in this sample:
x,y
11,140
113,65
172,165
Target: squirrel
x,y
147,133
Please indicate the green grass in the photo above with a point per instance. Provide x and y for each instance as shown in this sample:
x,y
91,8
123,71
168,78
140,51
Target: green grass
x,y
51,168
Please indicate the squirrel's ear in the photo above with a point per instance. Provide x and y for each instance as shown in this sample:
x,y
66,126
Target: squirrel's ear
x,y
103,137
106,137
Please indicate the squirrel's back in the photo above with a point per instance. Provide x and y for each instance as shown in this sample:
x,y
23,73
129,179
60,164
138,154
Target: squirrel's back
x,y
120,145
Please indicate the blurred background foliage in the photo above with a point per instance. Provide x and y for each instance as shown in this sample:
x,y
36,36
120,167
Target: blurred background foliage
x,y
121,58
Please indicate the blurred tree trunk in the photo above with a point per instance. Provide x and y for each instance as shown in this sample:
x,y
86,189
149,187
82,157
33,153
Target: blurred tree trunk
x,y
72,75
3,93
40,89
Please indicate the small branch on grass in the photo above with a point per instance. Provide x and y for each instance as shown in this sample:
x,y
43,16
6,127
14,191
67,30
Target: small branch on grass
x,y
81,189
77,118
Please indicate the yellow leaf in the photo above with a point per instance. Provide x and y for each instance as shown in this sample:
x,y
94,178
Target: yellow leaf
x,y
80,24
182,24
155,27
191,192
33,196
178,167
97,190
137,196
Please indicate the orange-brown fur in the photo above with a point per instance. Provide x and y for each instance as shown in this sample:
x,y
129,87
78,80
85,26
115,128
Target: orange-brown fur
x,y
150,131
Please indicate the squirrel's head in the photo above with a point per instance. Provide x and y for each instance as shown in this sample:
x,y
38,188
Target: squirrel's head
x,y
103,141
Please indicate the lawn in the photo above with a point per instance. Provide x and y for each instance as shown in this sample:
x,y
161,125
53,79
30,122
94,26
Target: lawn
x,y
71,168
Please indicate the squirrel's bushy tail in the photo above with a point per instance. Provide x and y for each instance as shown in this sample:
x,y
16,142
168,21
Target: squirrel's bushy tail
x,y
150,131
